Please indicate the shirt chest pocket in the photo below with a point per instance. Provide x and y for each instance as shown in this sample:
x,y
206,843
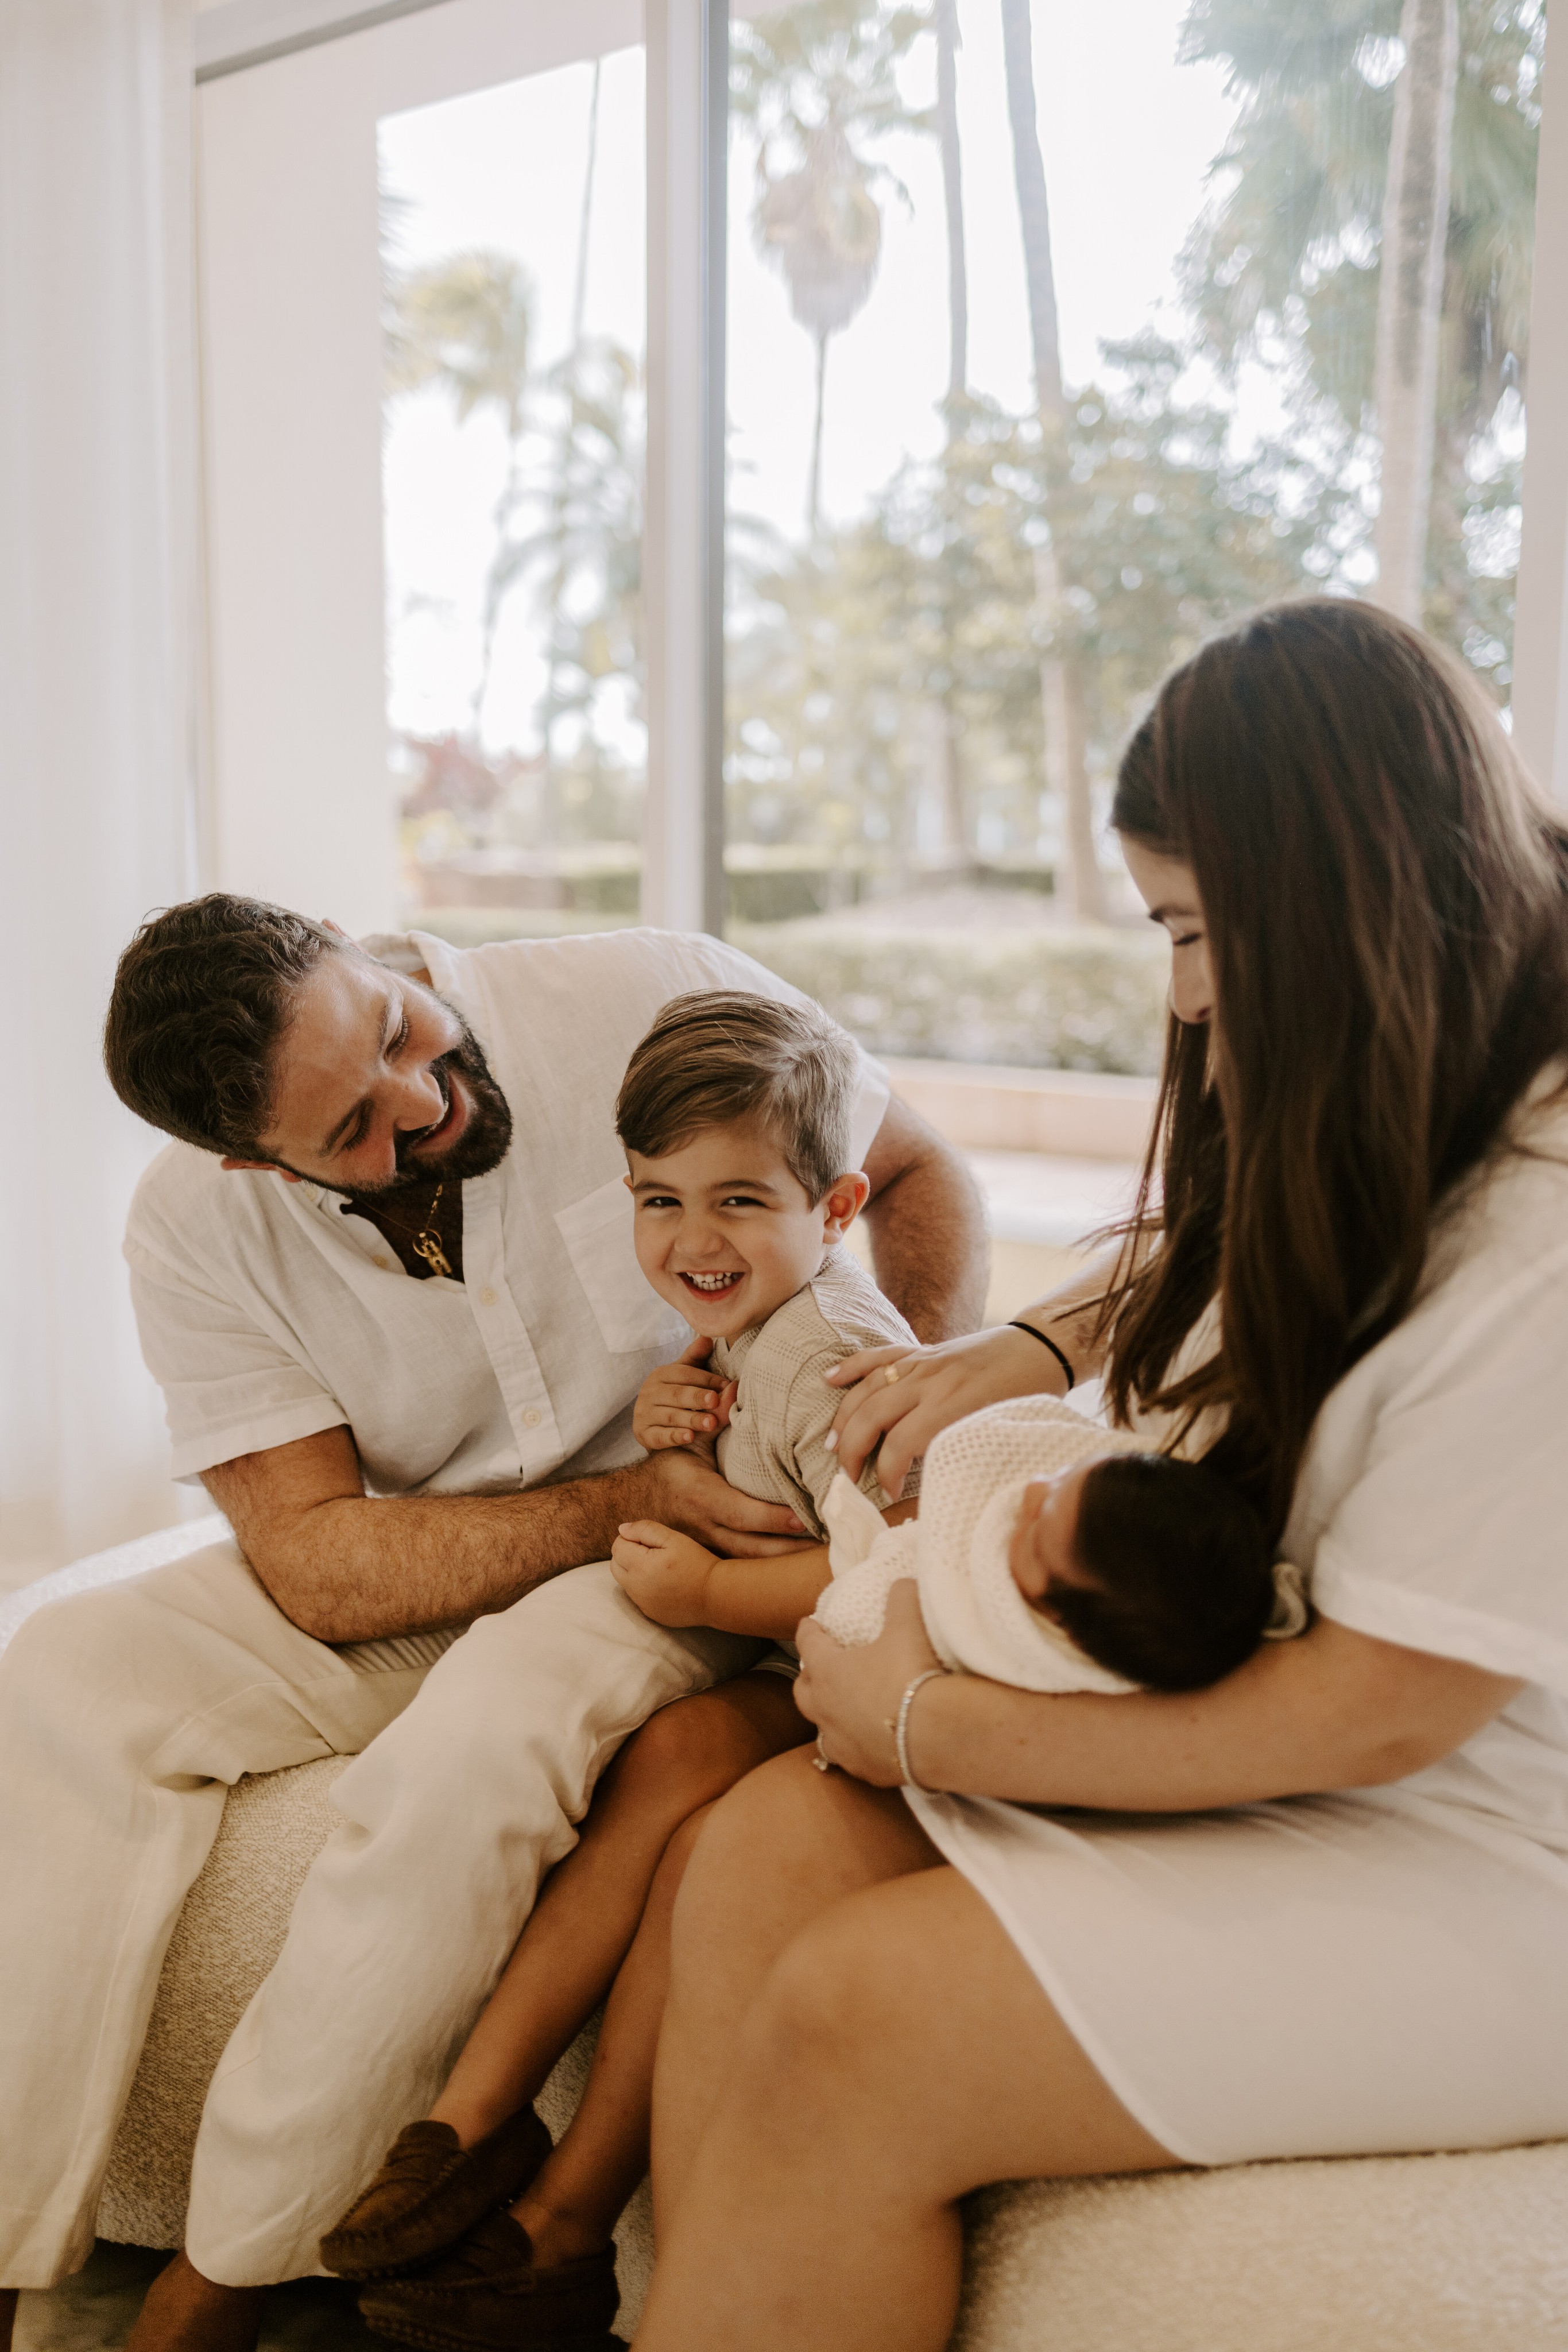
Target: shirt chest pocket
x,y
633,1318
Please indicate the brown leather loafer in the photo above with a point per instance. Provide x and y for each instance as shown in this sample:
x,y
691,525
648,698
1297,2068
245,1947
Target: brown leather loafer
x,y
487,2296
429,2191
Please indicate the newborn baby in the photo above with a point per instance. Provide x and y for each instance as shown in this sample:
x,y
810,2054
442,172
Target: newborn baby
x,y
1058,1556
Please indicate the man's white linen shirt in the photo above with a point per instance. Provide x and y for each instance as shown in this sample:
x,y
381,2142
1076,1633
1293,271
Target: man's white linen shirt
x,y
268,1313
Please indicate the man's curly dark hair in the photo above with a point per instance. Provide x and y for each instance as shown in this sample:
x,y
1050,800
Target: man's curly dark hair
x,y
202,996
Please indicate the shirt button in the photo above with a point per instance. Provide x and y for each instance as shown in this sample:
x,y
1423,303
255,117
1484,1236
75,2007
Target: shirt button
x,y
530,1419
487,1298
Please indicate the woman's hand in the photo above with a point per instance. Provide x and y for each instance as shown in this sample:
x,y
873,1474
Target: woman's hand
x,y
852,1696
665,1573
678,1405
934,1387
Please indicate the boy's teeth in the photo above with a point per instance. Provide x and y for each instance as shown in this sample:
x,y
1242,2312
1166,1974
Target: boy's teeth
x,y
711,1281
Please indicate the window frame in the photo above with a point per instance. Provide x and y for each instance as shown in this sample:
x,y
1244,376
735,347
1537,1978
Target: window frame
x,y
250,806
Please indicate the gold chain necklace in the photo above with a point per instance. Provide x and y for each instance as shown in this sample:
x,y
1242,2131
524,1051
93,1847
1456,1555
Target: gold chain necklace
x,y
426,1243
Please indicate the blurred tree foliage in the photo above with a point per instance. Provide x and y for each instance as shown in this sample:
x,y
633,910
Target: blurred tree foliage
x,y
884,674
846,664
1283,265
897,660
567,529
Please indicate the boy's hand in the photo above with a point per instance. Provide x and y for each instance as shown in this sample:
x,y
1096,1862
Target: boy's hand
x,y
678,1405
667,1574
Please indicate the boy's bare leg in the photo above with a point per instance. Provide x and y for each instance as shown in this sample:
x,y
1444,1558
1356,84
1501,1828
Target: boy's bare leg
x,y
588,1914
580,1929
187,2313
571,2208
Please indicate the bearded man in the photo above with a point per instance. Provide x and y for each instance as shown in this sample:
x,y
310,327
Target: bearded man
x,y
385,1277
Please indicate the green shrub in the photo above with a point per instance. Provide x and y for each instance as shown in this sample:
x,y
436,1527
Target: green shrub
x,y
1062,1000
1050,999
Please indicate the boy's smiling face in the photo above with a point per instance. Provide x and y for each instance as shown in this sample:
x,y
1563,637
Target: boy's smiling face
x,y
725,1231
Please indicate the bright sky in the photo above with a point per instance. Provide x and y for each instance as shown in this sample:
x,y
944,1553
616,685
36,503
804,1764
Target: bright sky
x,y
1126,151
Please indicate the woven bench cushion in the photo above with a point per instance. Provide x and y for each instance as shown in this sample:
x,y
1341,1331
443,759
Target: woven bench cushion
x,y
1446,2253
227,1939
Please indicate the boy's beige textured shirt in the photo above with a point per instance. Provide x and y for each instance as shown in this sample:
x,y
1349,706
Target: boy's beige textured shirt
x,y
774,1447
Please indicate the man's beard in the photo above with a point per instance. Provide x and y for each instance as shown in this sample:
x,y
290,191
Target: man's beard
x,y
484,1142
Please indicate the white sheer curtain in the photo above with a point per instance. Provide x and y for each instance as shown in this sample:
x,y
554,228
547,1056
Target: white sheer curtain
x,y
97,602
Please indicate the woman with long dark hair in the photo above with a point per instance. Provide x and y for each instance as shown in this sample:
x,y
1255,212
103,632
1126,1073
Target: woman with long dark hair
x,y
1323,1908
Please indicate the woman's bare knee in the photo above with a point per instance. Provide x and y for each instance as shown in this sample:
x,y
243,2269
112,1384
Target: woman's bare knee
x,y
810,1830
909,2003
770,1855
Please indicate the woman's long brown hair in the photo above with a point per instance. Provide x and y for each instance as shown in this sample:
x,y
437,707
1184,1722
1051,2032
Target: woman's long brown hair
x,y
1386,902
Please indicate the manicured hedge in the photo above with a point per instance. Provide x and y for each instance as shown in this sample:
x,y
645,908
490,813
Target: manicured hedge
x,y
1065,1000
1045,999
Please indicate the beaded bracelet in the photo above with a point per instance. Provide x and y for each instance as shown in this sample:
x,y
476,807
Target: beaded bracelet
x,y
1056,1351
900,1728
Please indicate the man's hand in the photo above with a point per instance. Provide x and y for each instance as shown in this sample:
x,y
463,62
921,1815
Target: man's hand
x,y
678,1406
665,1573
680,1489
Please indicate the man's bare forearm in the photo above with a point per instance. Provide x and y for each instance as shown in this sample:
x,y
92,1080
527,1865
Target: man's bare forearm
x,y
930,1246
349,1567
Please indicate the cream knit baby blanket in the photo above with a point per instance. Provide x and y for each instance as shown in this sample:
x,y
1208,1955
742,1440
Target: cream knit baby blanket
x,y
957,1550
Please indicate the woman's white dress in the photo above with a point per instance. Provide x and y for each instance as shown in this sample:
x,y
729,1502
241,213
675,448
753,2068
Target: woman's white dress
x,y
1382,1969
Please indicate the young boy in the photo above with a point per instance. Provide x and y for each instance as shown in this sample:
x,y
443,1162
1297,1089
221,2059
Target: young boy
x,y
734,1116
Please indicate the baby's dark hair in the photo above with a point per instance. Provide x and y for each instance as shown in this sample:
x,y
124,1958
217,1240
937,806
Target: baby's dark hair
x,y
1184,1582
719,1054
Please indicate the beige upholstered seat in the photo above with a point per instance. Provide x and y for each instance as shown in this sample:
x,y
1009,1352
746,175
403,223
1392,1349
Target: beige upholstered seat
x,y
228,1935
1444,2254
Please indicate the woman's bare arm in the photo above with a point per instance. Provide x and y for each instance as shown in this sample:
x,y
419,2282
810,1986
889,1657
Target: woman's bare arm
x,y
1334,1709
939,1385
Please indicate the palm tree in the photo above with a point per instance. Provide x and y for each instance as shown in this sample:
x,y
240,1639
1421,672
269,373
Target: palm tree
x,y
1062,699
820,227
817,79
1285,263
1410,295
465,323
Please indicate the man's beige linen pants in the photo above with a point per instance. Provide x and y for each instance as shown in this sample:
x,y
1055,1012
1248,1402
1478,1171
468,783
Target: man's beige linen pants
x,y
124,1716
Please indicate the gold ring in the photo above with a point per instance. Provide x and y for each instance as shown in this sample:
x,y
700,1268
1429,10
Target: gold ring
x,y
890,1373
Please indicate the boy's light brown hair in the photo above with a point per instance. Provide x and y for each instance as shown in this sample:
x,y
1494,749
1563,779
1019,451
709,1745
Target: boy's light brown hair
x,y
717,1056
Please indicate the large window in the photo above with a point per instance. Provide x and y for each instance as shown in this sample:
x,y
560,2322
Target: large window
x,y
1055,339
514,232
1058,337
424,263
